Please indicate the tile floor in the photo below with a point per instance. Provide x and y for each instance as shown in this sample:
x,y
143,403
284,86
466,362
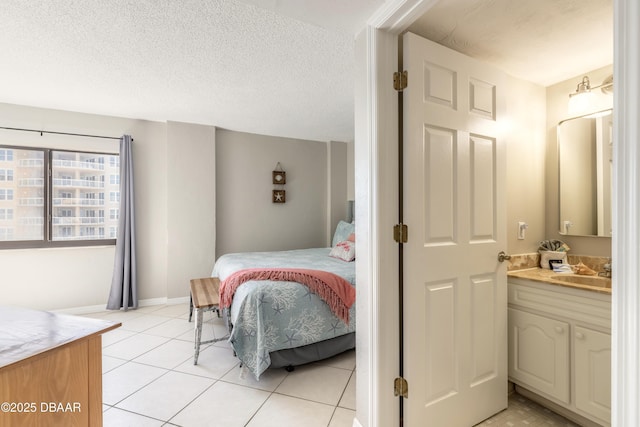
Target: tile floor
x,y
522,412
149,380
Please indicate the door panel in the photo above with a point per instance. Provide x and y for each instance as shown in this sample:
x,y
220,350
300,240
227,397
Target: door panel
x,y
455,289
440,326
483,199
439,165
484,322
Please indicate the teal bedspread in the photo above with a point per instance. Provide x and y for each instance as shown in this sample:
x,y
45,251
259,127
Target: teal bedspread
x,y
274,315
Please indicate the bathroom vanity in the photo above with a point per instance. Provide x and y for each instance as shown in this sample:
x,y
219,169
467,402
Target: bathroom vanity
x,y
560,342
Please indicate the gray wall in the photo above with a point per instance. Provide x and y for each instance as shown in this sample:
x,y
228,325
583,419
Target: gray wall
x,y
247,220
182,214
173,169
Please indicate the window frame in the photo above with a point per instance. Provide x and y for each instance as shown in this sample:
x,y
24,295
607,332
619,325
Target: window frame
x,y
47,210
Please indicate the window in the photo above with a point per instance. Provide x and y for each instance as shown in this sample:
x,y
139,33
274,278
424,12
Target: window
x,y
6,174
6,155
56,197
6,214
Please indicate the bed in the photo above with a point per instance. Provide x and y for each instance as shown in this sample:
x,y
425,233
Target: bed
x,y
283,323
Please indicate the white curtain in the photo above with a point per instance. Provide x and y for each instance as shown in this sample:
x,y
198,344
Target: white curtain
x,y
124,288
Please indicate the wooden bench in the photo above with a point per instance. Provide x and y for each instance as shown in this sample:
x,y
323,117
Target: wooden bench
x,y
204,296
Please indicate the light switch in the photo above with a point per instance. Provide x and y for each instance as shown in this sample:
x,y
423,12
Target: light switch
x,y
522,226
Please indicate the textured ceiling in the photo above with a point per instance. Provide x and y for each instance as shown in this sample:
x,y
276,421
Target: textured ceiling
x,y
275,67
223,62
542,41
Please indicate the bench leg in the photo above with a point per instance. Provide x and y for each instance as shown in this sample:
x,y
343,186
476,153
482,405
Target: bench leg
x,y
190,307
198,335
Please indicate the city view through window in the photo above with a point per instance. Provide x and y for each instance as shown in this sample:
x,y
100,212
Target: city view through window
x,y
82,195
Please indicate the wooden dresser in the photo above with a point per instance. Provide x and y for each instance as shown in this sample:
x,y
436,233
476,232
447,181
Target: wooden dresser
x,y
50,368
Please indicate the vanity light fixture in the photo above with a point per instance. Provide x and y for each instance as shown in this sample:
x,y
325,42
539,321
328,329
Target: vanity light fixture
x,y
582,101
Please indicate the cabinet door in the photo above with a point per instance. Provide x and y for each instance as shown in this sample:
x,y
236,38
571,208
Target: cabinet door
x,y
593,372
539,353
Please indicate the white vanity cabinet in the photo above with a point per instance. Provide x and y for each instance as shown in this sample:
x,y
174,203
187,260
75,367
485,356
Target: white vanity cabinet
x,y
560,346
539,353
592,356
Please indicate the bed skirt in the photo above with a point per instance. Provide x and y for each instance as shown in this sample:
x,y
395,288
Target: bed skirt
x,y
313,352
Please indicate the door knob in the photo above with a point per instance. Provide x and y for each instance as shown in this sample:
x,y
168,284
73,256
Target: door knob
x,y
502,256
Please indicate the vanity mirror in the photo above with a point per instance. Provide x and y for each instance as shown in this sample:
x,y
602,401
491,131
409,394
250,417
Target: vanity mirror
x,y
585,174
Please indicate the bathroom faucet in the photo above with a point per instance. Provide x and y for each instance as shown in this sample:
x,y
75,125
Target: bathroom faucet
x,y
606,270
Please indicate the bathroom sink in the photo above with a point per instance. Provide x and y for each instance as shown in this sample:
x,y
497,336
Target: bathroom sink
x,y
596,281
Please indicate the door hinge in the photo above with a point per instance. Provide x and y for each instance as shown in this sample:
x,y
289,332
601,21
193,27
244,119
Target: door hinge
x,y
401,387
400,80
400,233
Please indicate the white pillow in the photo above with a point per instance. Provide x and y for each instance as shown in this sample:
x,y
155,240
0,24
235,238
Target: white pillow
x,y
343,229
345,250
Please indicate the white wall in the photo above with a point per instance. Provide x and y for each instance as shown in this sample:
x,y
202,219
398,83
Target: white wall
x,y
63,278
525,139
247,220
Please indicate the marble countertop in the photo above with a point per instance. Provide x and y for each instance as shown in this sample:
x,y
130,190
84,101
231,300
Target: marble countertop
x,y
589,283
25,333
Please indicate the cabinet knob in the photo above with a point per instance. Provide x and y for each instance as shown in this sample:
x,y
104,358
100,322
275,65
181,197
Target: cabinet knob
x,y
559,329
579,335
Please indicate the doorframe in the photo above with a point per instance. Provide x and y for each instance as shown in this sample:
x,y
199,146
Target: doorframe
x,y
625,328
376,198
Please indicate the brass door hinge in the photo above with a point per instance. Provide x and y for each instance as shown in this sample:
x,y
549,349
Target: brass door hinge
x,y
400,233
401,387
400,80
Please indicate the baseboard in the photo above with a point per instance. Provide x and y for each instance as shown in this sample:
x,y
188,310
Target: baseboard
x,y
181,300
142,303
356,423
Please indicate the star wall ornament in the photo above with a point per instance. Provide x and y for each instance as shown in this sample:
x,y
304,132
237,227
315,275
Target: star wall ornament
x,y
278,196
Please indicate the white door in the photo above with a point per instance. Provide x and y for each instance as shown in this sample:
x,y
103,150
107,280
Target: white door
x,y
455,302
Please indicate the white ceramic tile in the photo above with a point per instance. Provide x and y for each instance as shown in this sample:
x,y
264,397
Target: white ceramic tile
x,y
142,323
342,418
210,330
346,360
166,396
147,309
281,410
121,315
109,363
348,399
223,404
269,380
171,328
174,310
98,315
115,417
213,362
127,379
317,383
115,335
168,355
134,346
